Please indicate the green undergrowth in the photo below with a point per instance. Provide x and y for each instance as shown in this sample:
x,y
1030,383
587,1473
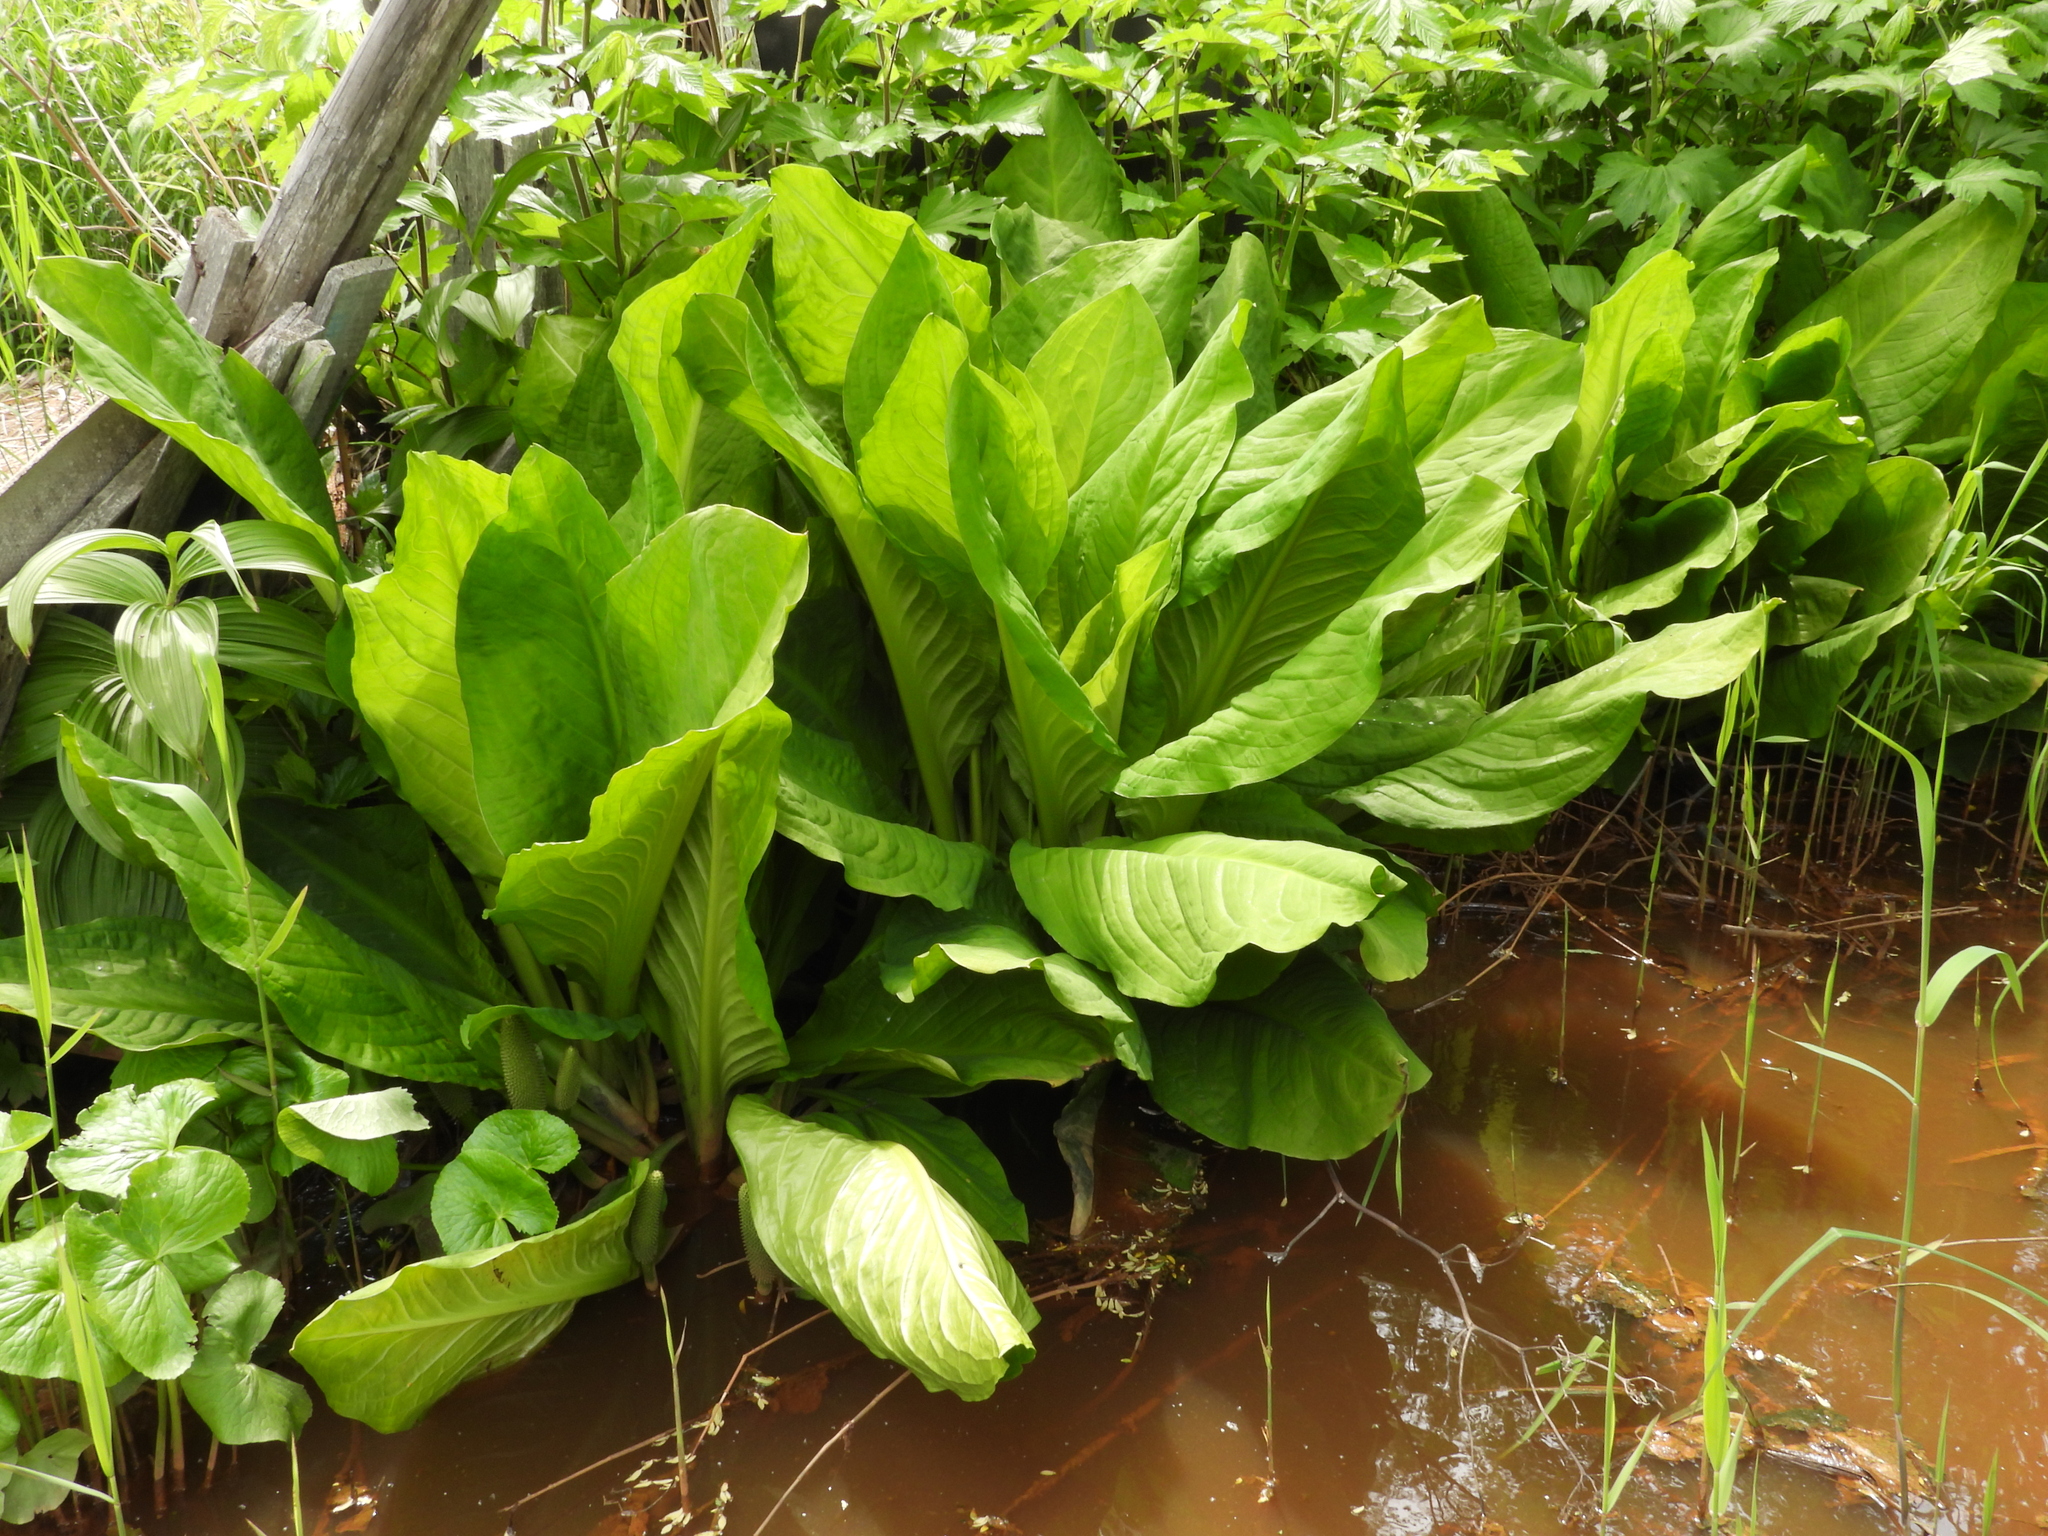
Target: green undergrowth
x,y
1005,554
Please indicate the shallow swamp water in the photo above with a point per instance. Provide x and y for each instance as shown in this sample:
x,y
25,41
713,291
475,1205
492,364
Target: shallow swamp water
x,y
1549,1180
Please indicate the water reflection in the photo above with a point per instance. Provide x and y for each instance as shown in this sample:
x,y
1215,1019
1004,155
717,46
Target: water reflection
x,y
1555,1158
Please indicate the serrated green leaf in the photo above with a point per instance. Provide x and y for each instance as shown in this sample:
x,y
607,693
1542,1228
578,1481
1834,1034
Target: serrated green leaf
x,y
241,1403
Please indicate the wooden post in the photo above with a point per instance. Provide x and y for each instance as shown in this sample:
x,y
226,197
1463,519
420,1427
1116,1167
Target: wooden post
x,y
355,162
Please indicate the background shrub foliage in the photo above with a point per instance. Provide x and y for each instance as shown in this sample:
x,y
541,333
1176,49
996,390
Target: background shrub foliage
x,y
1019,523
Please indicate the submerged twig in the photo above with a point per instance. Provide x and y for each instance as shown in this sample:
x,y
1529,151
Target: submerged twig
x,y
837,1435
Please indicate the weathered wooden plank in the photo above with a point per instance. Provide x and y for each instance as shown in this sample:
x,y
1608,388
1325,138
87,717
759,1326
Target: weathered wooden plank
x,y
353,165
350,299
215,271
66,476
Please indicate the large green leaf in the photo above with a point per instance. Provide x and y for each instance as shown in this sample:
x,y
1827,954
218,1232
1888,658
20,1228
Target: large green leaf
x,y
1916,309
1532,756
1100,373
1995,399
1973,683
243,1403
829,802
959,1161
1318,693
1304,549
667,412
1882,540
1065,767
1063,172
538,684
1501,261
945,662
1737,228
1662,550
1152,483
569,401
1651,312
863,1227
1246,279
129,340
138,983
693,622
831,254
1308,1068
1510,405
589,905
1163,271
1012,514
340,997
374,872
576,661
1802,688
912,291
919,944
711,1004
387,1353
983,1028
177,1203
404,670
1160,916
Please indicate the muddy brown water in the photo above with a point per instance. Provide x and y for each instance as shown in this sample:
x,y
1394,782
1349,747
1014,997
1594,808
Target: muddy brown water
x,y
1551,1163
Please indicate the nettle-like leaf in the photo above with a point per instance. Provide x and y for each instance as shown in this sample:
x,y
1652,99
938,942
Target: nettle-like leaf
x,y
866,1229
494,1183
1063,172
